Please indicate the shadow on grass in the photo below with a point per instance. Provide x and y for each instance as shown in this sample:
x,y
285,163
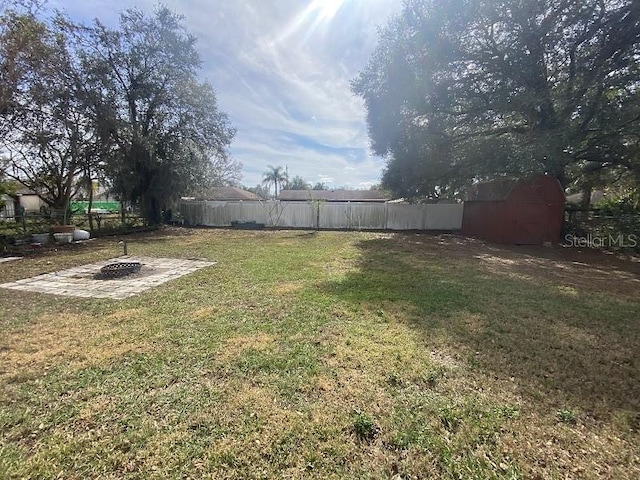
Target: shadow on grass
x,y
561,342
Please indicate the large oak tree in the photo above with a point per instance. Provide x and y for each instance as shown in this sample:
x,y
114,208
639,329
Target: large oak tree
x,y
462,90
168,136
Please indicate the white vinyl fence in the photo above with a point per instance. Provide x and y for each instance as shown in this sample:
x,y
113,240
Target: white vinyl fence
x,y
324,215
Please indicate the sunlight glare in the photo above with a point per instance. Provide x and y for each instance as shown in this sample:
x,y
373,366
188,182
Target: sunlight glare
x,y
314,15
326,9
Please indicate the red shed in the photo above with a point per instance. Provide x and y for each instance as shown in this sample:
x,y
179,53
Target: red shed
x,y
525,212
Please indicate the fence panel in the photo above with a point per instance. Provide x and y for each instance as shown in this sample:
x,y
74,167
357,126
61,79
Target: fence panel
x,y
190,212
7,211
298,214
329,215
368,216
443,216
335,215
215,214
405,217
258,212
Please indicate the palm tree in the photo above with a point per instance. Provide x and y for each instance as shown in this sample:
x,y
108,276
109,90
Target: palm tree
x,y
275,176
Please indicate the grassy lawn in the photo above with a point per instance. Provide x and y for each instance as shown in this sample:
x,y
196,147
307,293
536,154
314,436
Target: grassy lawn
x,y
327,355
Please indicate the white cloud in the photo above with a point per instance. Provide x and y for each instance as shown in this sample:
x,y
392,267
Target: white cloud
x,y
281,70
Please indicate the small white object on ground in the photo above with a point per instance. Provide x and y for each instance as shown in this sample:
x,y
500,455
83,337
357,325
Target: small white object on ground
x,y
62,238
81,234
8,259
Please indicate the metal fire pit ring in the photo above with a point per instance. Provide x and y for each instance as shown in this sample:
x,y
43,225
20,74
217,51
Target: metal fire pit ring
x,y
120,269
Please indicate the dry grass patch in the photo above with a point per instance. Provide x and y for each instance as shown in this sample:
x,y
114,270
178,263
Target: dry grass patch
x,y
73,339
286,288
126,315
204,313
235,346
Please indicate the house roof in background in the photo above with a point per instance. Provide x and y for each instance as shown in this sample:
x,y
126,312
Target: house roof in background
x,y
231,193
333,195
25,191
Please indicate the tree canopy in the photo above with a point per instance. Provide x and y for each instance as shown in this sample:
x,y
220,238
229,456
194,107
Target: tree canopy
x,y
463,90
45,125
162,123
124,104
298,183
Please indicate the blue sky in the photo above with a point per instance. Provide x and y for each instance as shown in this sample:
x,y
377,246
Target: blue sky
x,y
281,69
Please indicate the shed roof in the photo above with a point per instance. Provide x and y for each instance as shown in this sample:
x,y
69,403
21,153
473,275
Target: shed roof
x,y
333,195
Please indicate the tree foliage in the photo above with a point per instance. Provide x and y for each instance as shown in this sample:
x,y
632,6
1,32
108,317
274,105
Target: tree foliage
x,y
260,190
5,189
45,125
461,90
298,183
168,137
125,105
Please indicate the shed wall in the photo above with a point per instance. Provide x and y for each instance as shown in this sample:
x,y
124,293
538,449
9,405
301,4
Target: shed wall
x,y
530,214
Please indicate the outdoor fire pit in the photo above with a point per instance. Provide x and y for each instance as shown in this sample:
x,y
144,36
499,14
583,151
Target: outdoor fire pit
x,y
119,269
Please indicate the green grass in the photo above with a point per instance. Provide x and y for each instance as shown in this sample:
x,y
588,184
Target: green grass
x,y
326,355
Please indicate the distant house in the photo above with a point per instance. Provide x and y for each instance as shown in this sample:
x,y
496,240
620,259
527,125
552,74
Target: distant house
x,y
30,201
7,207
226,194
230,194
102,193
374,196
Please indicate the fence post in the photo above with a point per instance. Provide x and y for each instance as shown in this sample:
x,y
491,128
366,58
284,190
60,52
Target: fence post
x,y
386,216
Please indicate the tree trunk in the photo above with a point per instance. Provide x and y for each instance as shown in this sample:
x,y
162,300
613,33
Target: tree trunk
x,y
90,202
151,210
585,202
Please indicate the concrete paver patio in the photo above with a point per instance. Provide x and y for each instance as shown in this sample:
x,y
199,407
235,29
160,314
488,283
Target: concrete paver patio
x,y
82,282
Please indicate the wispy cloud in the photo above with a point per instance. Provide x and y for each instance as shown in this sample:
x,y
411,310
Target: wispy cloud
x,y
281,70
